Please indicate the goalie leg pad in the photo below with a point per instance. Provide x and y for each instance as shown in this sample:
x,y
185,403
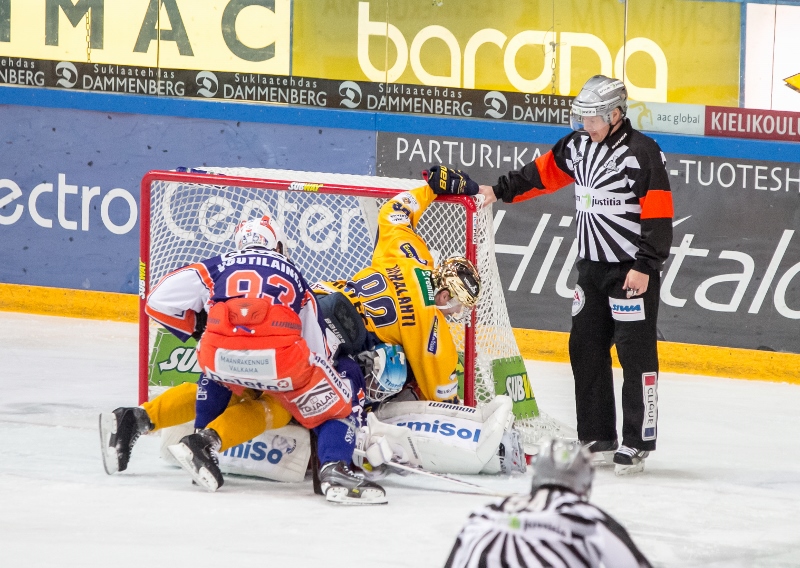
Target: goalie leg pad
x,y
442,437
280,454
381,442
510,456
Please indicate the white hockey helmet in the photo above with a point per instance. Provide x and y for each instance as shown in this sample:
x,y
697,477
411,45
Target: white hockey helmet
x,y
260,233
385,371
598,97
563,463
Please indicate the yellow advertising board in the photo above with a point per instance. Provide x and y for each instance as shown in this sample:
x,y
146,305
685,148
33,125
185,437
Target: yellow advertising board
x,y
684,51
226,35
675,50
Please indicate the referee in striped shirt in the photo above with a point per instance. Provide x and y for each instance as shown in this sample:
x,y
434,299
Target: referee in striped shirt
x,y
555,526
623,215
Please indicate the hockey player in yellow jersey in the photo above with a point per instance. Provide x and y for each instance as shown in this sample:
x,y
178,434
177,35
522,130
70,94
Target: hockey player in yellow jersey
x,y
404,298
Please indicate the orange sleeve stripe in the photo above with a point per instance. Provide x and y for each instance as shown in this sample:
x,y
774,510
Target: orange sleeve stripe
x,y
657,204
185,324
205,276
553,178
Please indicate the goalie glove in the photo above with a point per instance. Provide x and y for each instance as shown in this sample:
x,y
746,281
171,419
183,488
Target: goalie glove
x,y
378,443
444,180
379,451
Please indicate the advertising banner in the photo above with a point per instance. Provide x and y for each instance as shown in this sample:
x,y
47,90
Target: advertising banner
x,y
667,117
511,378
733,278
512,63
675,51
752,123
281,89
326,93
224,35
69,182
173,361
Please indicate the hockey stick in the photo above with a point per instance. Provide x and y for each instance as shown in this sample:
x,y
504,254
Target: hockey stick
x,y
443,477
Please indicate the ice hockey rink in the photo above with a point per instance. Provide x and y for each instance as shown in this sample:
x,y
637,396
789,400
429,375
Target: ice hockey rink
x,y
723,489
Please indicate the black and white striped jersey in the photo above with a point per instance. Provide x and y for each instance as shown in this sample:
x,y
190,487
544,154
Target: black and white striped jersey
x,y
623,200
551,528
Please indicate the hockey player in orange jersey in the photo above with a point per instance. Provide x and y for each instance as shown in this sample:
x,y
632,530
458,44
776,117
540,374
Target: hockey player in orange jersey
x,y
263,335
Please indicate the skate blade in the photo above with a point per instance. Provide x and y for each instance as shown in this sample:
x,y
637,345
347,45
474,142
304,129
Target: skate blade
x,y
201,477
340,495
603,458
629,469
108,427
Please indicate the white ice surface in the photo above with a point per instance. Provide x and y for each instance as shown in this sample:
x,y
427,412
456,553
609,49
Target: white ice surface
x,y
723,489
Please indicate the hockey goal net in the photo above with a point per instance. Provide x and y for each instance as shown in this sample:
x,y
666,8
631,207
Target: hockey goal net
x,y
330,222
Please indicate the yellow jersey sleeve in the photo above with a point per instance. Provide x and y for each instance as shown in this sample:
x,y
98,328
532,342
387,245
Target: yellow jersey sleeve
x,y
395,295
402,258
397,221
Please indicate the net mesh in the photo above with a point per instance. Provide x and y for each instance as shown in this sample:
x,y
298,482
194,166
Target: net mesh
x,y
331,237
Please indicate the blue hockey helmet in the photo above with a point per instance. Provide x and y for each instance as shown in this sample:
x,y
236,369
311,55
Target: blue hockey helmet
x,y
384,371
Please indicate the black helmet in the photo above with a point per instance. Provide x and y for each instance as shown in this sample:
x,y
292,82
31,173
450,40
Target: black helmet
x,y
563,463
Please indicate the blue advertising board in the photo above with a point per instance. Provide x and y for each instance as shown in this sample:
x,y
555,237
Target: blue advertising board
x,y
69,182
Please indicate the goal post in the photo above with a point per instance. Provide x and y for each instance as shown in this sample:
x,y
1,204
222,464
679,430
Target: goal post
x,y
330,221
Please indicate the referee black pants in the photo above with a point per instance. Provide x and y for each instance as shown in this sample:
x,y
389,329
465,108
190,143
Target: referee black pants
x,y
601,317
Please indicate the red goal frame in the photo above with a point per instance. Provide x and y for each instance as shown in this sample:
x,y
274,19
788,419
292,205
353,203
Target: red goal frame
x,y
281,185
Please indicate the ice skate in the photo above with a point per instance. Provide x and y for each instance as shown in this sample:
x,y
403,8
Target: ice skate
x,y
340,485
197,454
119,431
629,460
602,451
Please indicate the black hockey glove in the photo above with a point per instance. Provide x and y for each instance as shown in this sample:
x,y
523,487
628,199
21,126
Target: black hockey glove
x,y
343,320
200,319
444,180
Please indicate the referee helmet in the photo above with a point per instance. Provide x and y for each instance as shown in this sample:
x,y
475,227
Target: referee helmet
x,y
563,463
